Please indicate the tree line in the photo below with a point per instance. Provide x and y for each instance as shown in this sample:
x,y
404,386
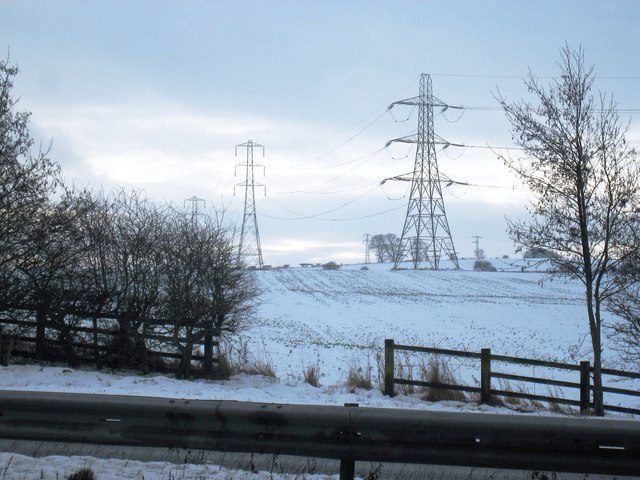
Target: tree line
x,y
67,255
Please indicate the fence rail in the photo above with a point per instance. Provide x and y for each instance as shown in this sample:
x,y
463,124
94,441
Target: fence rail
x,y
350,433
91,338
487,392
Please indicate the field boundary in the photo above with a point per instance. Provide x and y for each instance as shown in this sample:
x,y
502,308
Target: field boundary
x,y
105,339
487,373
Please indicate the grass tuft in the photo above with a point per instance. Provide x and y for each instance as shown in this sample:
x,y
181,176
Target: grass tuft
x,y
311,375
359,378
82,474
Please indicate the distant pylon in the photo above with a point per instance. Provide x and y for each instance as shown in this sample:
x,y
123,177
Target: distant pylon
x,y
426,235
478,253
195,207
367,255
249,248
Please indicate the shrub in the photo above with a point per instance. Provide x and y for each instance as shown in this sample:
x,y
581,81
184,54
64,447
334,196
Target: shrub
x,y
483,266
331,266
364,268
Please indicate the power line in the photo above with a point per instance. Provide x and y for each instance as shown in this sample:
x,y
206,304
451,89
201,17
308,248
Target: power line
x,y
302,216
333,179
335,192
350,126
520,77
500,109
338,219
352,137
326,167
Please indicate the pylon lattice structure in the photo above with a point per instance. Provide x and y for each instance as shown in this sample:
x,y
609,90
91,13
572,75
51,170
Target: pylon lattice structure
x,y
426,236
194,207
249,249
477,252
367,250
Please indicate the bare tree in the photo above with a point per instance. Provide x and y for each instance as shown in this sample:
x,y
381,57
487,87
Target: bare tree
x,y
27,179
626,305
385,246
378,245
584,177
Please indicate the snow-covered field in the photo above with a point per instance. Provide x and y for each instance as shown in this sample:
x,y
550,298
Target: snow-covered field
x,y
341,318
338,319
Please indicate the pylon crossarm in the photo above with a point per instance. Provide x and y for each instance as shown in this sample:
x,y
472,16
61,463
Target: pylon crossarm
x,y
405,177
420,101
414,139
408,139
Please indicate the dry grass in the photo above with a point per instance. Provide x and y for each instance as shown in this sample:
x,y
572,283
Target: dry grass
x,y
405,369
359,377
432,370
437,370
234,359
82,474
311,375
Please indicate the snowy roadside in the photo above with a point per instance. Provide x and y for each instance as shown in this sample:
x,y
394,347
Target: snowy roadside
x,y
249,388
20,467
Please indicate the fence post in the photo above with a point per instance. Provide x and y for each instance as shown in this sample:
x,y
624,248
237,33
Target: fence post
x,y
388,367
485,375
585,387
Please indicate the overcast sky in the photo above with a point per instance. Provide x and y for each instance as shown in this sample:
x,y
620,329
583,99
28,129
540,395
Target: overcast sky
x,y
155,95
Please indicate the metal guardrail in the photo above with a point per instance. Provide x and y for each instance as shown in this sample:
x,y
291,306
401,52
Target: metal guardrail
x,y
568,444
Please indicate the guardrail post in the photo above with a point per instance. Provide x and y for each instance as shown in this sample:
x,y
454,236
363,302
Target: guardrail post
x,y
585,387
388,367
485,375
347,469
348,465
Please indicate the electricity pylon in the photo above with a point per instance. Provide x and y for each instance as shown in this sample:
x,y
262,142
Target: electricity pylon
x,y
478,253
426,235
194,206
249,248
365,239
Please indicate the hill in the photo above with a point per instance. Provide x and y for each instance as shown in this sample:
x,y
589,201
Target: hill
x,y
341,317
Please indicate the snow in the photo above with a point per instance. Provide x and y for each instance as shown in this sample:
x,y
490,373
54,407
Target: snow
x,y
251,388
337,320
21,467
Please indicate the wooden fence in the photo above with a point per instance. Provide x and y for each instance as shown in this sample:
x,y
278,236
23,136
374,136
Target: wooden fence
x,y
95,339
485,390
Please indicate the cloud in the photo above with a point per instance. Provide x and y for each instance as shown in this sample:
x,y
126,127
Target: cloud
x,y
174,152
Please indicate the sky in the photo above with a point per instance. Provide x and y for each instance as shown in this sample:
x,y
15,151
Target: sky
x,y
155,95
